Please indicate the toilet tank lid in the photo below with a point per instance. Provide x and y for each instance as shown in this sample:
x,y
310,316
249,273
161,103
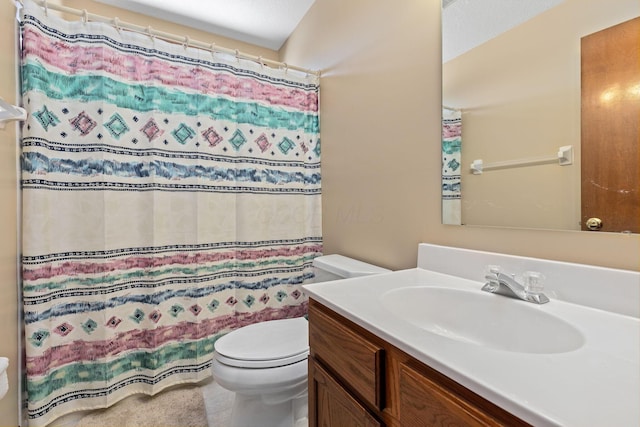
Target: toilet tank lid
x,y
346,267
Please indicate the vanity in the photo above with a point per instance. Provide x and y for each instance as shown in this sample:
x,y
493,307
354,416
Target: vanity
x,y
426,346
358,379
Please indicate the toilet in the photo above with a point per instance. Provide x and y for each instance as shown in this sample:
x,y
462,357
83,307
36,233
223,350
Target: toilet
x,y
265,363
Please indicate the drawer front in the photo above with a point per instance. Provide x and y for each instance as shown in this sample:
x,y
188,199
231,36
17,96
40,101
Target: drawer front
x,y
334,406
357,361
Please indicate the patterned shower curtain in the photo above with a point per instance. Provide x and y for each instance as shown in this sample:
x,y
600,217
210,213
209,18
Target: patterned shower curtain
x,y
170,195
451,159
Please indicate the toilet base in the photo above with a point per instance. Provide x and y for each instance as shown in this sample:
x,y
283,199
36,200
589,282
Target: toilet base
x,y
252,410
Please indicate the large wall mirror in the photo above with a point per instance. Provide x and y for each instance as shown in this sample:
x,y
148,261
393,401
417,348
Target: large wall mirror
x,y
523,104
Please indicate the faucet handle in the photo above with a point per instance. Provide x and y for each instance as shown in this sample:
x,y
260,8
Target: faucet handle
x,y
493,269
491,275
533,282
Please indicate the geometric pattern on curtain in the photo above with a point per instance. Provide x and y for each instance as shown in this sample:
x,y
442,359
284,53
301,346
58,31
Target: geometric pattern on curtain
x,y
170,195
451,162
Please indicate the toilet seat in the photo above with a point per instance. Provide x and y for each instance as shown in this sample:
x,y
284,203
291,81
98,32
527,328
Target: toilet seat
x,y
267,344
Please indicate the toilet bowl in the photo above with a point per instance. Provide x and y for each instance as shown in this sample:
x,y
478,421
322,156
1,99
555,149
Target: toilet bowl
x,y
265,364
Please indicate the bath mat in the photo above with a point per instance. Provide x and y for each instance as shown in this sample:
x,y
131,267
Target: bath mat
x,y
178,407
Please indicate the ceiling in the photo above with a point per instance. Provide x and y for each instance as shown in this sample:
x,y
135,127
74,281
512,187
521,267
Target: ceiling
x,y
266,23
469,23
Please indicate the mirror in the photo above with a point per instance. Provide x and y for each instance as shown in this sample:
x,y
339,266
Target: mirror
x,y
512,99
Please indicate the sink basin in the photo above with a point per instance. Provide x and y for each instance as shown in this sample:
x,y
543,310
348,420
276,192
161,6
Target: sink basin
x,y
483,319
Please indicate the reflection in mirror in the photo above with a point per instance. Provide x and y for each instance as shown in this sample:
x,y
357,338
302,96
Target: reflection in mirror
x,y
512,92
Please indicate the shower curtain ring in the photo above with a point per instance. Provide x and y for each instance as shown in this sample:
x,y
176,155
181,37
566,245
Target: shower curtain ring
x,y
85,16
212,49
260,62
116,23
186,43
46,8
237,55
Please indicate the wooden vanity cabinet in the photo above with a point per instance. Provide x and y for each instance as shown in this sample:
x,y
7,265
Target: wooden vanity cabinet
x,y
333,403
358,379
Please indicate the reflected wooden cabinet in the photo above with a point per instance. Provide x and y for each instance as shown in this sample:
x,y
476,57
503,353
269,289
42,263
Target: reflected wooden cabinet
x,y
358,379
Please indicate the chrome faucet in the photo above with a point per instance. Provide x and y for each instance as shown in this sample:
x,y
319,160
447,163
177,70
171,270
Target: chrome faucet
x,y
500,283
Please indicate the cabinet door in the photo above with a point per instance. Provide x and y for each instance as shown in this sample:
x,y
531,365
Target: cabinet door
x,y
423,402
330,405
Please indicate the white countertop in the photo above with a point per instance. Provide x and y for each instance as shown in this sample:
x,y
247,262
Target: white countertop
x,y
596,385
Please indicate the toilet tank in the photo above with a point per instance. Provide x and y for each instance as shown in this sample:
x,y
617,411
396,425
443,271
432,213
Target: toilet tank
x,y
333,267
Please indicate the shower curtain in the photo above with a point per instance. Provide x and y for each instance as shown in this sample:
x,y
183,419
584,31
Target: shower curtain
x,y
170,195
451,158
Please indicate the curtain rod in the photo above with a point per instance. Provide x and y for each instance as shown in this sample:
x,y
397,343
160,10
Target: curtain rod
x,y
185,40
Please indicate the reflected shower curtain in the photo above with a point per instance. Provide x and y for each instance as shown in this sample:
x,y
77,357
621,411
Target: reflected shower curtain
x,y
170,195
451,158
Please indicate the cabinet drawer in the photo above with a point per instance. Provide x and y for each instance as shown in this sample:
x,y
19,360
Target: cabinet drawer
x,y
357,361
334,406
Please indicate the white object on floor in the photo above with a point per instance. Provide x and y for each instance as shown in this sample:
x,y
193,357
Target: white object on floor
x,y
218,402
10,113
265,364
4,383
